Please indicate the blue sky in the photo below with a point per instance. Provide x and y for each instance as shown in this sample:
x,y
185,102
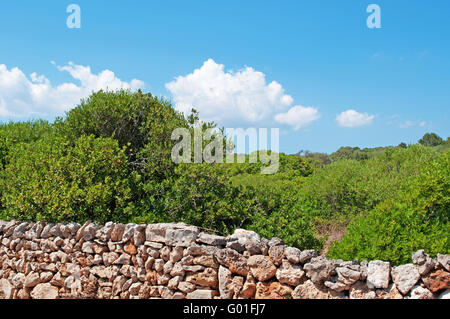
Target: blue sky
x,y
321,54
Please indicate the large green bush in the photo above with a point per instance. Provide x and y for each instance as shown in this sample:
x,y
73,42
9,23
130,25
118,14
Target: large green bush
x,y
59,180
417,218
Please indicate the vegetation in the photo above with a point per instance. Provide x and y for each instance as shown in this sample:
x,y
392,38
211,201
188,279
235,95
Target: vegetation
x,y
110,159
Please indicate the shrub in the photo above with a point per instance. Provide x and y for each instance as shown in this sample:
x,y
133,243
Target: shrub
x,y
418,218
59,180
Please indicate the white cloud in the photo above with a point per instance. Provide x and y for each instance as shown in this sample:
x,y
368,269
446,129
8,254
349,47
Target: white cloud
x,y
352,118
22,96
230,98
298,116
406,124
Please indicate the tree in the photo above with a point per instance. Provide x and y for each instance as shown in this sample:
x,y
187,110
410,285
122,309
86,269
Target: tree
x,y
431,139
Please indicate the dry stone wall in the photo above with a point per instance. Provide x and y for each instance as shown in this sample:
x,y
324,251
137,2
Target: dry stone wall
x,y
172,261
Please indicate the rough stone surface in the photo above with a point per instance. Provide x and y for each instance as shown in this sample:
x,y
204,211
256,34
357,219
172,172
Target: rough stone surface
x,y
405,277
438,280
176,261
378,274
44,291
261,267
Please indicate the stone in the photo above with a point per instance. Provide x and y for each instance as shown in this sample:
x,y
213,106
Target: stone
x,y
234,261
6,289
44,291
309,290
438,280
212,240
405,277
135,288
248,290
423,262
86,232
173,283
272,290
225,278
444,261
306,255
205,260
104,233
359,290
186,287
275,241
117,232
207,278
289,274
292,254
32,280
158,265
319,269
276,254
391,292
176,254
181,236
128,233
201,294
130,249
123,259
378,274
18,280
443,295
261,267
419,292
87,247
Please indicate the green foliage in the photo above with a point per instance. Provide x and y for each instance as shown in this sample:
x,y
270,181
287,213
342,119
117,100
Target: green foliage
x,y
21,132
346,188
59,180
110,159
418,218
431,139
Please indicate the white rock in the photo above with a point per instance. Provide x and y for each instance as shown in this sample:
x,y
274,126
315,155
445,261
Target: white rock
x,y
378,273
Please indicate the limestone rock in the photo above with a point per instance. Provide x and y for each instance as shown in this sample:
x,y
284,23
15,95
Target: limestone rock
x,y
225,278
201,294
234,261
319,269
261,267
44,291
405,277
209,239
6,289
419,292
276,254
423,261
359,290
309,290
292,254
444,261
272,290
207,278
289,274
378,274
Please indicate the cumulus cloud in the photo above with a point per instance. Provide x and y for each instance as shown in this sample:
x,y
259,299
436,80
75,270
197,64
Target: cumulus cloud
x,y
298,116
352,118
231,98
23,97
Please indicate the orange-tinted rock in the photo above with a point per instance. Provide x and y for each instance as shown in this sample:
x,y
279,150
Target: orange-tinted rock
x,y
272,290
438,280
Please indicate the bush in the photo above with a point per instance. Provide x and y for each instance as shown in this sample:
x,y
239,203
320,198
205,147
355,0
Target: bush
x,y
59,180
418,218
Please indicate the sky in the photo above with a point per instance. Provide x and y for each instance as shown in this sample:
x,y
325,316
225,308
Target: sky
x,y
313,69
